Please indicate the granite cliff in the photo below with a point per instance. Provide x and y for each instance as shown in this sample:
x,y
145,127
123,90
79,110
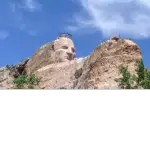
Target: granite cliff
x,y
58,68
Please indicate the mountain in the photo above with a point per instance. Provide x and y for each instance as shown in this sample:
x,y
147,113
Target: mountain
x,y
57,67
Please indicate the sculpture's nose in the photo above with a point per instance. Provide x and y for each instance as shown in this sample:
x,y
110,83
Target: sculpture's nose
x,y
70,55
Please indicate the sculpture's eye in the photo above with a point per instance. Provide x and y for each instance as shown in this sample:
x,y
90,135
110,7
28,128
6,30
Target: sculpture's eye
x,y
65,47
73,50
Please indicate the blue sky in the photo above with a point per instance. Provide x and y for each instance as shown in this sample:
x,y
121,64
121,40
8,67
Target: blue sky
x,y
27,24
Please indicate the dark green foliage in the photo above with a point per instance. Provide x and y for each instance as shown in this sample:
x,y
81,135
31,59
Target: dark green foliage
x,y
20,81
32,81
139,80
125,81
23,82
146,84
140,72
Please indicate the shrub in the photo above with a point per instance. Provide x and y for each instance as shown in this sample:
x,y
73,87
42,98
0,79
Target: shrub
x,y
20,82
32,81
125,81
146,83
141,79
24,81
140,72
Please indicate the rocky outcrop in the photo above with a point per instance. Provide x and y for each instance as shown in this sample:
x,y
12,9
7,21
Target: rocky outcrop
x,y
56,66
60,50
101,69
9,73
18,69
59,75
98,71
5,78
43,57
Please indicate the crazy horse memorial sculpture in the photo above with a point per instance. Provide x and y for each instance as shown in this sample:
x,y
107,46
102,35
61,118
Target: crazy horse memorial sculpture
x,y
56,65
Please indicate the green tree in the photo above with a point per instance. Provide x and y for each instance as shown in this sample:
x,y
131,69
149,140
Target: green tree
x,y
140,72
141,79
24,81
146,82
32,81
20,82
125,82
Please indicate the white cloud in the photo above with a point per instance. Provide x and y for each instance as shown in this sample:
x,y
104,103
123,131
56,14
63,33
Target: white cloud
x,y
32,5
20,20
27,5
12,6
3,34
126,17
32,32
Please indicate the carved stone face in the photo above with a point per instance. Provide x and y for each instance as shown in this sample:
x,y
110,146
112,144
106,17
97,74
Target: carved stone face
x,y
64,49
64,55
60,50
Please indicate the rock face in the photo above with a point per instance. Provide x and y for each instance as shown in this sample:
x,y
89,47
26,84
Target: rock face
x,y
59,75
101,69
5,78
60,50
18,69
56,66
9,73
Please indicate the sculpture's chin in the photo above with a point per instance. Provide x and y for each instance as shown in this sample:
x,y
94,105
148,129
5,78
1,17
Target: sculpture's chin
x,y
63,59
68,58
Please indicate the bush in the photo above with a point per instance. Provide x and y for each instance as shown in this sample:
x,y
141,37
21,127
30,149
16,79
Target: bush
x,y
32,81
140,72
125,81
20,82
146,82
23,82
139,80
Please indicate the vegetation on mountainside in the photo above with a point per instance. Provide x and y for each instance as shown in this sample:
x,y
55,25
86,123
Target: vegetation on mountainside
x,y
26,82
139,80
